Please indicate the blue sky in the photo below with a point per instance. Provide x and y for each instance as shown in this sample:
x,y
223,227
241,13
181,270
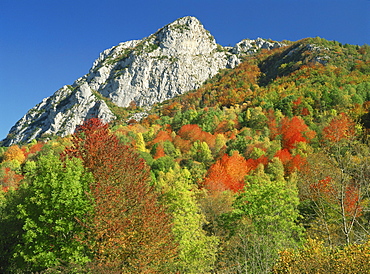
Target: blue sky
x,y
47,44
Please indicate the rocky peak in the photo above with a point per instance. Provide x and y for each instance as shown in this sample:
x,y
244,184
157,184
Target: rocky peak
x,y
177,58
185,36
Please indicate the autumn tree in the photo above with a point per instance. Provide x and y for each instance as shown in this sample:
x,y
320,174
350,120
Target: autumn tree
x,y
159,151
32,148
140,143
227,173
294,131
162,136
316,257
337,186
340,128
194,133
291,162
14,153
9,178
130,231
10,168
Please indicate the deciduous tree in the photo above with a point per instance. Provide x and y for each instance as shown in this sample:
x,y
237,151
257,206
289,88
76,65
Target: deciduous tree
x,y
338,188
197,250
228,173
14,153
339,128
55,204
130,231
294,131
263,221
315,257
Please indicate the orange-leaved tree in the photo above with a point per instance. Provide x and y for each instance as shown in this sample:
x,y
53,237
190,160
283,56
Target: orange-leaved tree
x,y
339,128
14,153
228,173
291,162
194,133
9,178
130,230
294,131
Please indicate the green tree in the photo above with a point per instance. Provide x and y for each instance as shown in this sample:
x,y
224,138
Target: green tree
x,y
263,221
10,228
220,143
200,152
255,118
197,251
208,120
56,201
271,203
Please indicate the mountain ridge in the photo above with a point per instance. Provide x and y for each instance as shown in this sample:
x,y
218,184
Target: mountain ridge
x,y
177,58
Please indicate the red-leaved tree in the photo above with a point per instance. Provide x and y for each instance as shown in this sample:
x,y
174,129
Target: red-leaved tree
x,y
294,131
340,127
291,162
194,133
228,173
9,178
130,231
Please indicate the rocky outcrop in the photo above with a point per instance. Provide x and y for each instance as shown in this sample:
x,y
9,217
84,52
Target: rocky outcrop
x,y
59,114
249,46
177,58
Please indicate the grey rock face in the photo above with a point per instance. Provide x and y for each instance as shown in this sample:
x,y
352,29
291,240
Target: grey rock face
x,y
59,114
177,58
249,46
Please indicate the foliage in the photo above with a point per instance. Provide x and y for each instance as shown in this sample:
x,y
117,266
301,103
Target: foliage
x,y
55,204
14,153
340,127
197,251
262,222
338,189
10,228
9,177
227,173
315,257
220,164
130,230
200,152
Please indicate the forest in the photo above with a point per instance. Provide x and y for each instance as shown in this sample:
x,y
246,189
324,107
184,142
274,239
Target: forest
x,y
263,169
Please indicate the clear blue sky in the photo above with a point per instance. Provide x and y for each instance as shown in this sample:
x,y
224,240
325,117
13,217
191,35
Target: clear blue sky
x,y
47,44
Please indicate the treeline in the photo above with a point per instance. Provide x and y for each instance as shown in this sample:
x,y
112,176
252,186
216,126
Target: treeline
x,y
264,169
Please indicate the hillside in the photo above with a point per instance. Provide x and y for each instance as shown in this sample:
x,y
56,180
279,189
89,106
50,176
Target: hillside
x,y
265,168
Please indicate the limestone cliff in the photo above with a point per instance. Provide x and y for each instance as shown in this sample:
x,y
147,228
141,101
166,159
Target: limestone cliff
x,y
177,58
